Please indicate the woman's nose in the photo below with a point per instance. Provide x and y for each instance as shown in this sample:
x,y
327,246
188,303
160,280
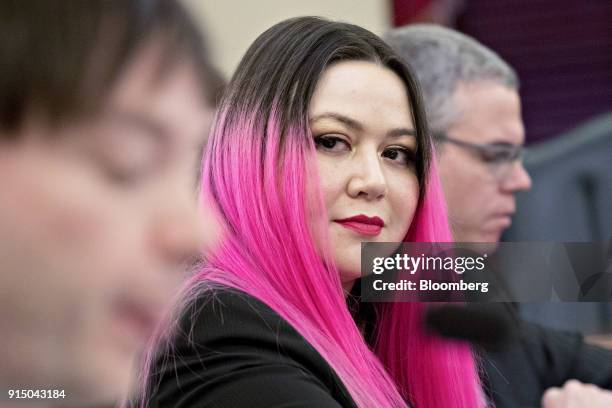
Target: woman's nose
x,y
367,178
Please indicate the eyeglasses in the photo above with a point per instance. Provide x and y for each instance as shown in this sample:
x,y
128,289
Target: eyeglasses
x,y
499,155
495,153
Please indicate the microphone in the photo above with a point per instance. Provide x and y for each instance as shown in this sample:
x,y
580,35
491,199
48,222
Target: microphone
x,y
484,325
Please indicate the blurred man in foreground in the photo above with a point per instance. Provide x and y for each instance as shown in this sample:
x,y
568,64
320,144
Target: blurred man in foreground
x,y
474,112
104,107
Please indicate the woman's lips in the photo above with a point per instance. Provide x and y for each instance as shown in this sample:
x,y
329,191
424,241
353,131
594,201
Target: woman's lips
x,y
362,224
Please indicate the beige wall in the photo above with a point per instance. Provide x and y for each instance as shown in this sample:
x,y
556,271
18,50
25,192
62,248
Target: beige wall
x,y
232,25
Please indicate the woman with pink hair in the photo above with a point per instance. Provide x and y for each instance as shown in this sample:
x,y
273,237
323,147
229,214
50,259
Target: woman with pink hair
x,y
320,143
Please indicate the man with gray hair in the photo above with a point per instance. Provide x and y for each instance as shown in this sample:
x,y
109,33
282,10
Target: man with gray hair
x,y
474,113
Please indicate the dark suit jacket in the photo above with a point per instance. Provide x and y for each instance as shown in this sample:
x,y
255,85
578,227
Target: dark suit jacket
x,y
234,351
518,375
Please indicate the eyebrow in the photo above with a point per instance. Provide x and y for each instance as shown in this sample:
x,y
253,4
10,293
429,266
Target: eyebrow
x,y
351,123
357,126
401,132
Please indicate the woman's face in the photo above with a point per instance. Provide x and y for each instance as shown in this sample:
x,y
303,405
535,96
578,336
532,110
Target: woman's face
x,y
366,149
97,218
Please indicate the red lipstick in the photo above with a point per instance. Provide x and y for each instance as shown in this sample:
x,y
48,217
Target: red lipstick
x,y
362,224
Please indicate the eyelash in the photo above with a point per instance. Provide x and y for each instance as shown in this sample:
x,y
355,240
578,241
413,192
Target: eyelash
x,y
408,153
320,140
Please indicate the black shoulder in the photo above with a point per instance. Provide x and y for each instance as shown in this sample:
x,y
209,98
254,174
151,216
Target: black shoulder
x,y
231,349
567,356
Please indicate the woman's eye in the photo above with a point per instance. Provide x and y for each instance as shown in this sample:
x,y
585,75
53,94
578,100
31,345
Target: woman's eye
x,y
331,143
403,156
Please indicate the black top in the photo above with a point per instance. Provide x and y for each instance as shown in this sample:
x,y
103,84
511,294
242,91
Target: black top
x,y
234,351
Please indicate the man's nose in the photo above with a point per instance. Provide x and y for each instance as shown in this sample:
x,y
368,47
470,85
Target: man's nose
x,y
367,178
518,179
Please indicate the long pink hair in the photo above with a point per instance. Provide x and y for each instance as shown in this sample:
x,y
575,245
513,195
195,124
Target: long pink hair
x,y
260,173
267,195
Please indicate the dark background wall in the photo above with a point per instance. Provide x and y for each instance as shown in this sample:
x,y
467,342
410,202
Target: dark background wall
x,y
562,51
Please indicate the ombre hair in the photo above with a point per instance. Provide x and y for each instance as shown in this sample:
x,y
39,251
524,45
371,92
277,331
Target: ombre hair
x,y
260,173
